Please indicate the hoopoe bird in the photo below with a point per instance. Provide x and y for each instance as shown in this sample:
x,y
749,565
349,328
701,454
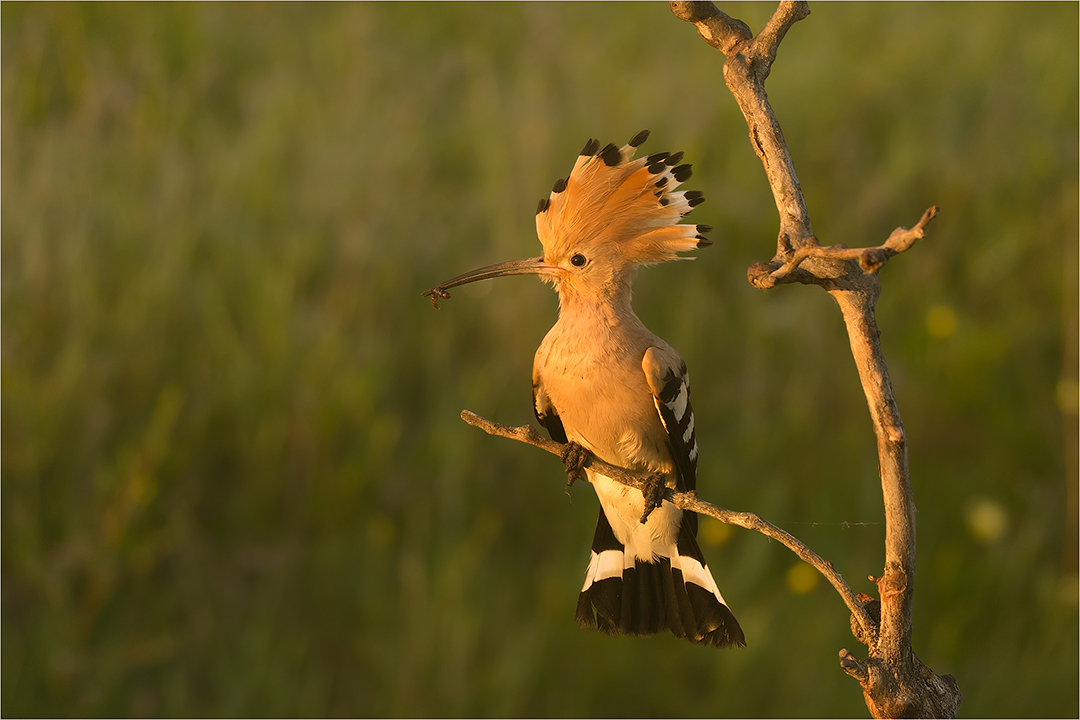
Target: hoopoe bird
x,y
602,380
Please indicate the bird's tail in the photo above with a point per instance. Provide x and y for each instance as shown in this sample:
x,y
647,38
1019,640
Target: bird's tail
x,y
623,594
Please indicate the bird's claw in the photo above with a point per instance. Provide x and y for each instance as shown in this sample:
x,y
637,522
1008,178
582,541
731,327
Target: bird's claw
x,y
574,457
653,491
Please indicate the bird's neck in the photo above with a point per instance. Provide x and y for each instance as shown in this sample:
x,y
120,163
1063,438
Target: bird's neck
x,y
602,311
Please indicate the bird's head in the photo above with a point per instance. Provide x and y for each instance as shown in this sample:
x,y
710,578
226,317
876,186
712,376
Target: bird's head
x,y
610,215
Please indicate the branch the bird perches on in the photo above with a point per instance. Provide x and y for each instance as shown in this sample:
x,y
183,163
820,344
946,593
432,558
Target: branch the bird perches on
x,y
687,501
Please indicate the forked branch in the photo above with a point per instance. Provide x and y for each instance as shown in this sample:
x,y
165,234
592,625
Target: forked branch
x,y
870,259
894,682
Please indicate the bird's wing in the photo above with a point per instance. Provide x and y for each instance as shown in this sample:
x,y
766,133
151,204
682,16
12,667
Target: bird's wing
x,y
545,411
665,372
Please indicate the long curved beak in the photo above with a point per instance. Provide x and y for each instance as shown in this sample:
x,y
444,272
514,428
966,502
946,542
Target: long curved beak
x,y
530,266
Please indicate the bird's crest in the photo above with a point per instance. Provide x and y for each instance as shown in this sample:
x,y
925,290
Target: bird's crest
x,y
613,202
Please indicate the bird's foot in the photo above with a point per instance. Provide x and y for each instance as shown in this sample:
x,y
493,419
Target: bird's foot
x,y
653,491
574,457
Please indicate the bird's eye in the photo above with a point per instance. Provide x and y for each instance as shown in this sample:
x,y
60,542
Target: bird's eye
x,y
578,260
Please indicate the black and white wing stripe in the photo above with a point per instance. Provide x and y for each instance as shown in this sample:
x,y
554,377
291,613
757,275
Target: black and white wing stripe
x,y
704,614
670,384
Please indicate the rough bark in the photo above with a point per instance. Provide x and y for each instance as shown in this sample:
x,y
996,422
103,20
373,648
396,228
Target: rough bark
x,y
894,682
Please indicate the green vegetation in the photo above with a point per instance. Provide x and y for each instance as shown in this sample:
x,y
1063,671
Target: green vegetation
x,y
234,478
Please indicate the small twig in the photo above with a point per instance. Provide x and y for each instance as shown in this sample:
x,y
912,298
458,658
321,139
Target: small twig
x,y
853,666
768,40
870,259
688,501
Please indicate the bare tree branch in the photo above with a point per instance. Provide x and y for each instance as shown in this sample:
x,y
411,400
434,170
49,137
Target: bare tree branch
x,y
748,65
688,501
894,682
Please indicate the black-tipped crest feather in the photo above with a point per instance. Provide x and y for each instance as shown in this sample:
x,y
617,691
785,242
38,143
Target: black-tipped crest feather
x,y
638,139
611,155
682,173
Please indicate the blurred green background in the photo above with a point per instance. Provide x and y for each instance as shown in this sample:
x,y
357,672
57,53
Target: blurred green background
x,y
234,477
